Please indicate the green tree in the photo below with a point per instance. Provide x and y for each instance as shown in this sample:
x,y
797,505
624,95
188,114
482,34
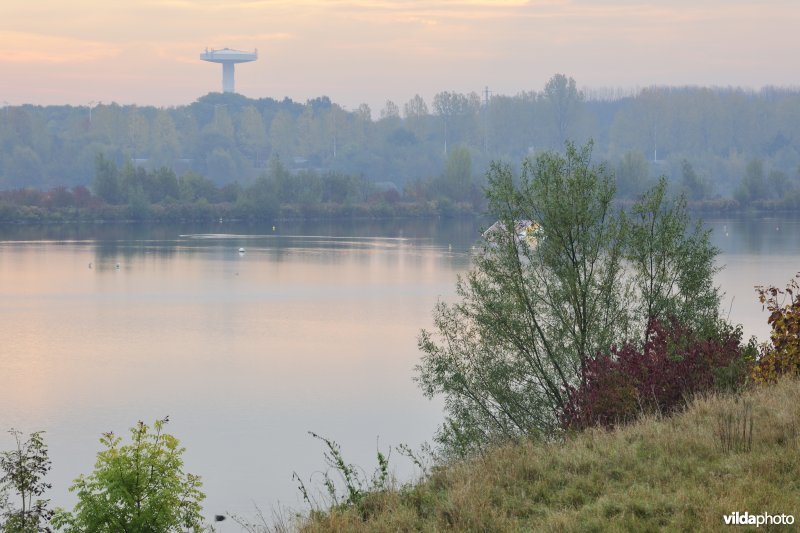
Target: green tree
x,y
252,134
673,268
529,317
138,487
220,166
415,108
282,133
24,469
564,100
633,175
390,111
24,168
106,183
753,185
138,132
221,123
259,200
416,114
456,110
307,132
194,187
165,186
165,142
693,185
138,204
778,184
283,185
456,182
307,187
341,188
133,182
364,113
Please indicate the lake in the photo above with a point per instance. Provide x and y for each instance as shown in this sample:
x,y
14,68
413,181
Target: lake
x,y
313,327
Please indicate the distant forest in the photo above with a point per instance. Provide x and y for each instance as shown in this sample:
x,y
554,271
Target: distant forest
x,y
712,143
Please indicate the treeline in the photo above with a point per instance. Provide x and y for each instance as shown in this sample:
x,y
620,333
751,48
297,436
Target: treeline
x,y
740,145
138,194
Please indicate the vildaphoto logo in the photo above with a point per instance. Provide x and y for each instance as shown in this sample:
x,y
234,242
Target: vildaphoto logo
x,y
747,519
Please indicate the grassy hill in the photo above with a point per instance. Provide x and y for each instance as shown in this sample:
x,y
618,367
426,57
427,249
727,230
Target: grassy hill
x,y
723,454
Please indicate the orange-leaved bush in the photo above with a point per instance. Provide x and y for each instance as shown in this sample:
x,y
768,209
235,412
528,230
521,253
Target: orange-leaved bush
x,y
782,356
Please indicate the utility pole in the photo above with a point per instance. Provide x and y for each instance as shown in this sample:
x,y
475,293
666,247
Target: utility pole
x,y
333,112
486,120
91,105
655,143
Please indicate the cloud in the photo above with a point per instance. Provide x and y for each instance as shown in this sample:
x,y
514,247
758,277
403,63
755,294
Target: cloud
x,y
252,37
24,47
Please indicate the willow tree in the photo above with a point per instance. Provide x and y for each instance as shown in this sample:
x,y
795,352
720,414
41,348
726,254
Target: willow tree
x,y
529,317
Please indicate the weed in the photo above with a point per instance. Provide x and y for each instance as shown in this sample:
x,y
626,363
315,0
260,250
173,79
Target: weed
x,y
356,483
735,427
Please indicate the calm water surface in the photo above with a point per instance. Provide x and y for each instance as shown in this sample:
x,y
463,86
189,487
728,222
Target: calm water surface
x,y
313,328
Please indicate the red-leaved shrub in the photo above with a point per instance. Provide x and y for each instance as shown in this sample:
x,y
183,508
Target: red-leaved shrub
x,y
674,364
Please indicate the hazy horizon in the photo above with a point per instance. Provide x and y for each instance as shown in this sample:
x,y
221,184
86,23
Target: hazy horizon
x,y
368,51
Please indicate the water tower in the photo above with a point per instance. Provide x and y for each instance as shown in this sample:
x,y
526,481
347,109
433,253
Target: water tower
x,y
228,58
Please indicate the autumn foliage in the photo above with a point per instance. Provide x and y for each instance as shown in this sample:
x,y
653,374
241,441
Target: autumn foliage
x,y
782,356
674,364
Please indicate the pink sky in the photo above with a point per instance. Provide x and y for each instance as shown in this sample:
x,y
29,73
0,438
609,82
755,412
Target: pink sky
x,y
354,51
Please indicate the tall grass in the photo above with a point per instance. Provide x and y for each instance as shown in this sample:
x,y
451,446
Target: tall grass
x,y
725,453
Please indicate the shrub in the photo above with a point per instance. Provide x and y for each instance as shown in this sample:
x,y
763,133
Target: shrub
x,y
357,486
139,486
783,355
23,470
528,319
674,364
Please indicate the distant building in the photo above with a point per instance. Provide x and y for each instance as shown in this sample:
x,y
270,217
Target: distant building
x,y
526,231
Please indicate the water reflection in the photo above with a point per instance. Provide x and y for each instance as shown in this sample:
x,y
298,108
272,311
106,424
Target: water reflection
x,y
122,242
456,231
313,330
756,235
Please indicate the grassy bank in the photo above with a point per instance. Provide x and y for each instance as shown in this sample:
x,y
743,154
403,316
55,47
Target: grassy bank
x,y
678,473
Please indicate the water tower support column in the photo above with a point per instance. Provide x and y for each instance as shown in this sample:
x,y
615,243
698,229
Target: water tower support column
x,y
227,77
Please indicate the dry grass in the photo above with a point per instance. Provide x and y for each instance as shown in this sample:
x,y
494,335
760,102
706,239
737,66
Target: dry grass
x,y
680,473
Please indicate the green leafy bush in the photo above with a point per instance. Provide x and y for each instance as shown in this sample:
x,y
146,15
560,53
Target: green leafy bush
x,y
138,487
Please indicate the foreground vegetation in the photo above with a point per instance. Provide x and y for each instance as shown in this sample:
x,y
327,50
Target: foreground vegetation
x,y
724,453
531,319
682,472
589,383
713,429
589,380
